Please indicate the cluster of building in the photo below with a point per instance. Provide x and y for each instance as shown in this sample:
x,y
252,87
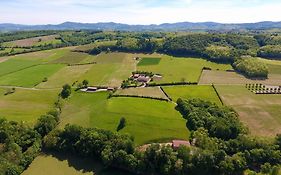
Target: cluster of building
x,y
264,89
142,78
96,89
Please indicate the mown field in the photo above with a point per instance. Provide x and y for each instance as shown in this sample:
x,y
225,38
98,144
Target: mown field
x,y
147,92
194,91
26,105
233,78
261,113
147,120
66,164
176,69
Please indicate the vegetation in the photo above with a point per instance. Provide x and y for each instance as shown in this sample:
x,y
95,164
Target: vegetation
x,y
66,91
251,67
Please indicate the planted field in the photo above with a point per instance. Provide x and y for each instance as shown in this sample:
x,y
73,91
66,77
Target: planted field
x,y
66,75
147,92
110,70
71,58
261,113
70,165
26,105
149,61
203,92
232,78
31,76
13,65
181,69
36,41
147,120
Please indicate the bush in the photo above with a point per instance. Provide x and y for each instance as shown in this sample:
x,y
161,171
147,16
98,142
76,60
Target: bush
x,y
45,124
122,124
251,67
66,91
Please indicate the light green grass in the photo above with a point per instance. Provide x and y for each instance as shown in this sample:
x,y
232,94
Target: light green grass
x,y
111,69
261,113
274,66
60,164
203,92
66,75
31,76
26,105
71,58
147,92
147,120
149,61
179,69
12,65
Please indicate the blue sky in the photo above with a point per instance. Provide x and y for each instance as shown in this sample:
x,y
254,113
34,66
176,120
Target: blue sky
x,y
138,11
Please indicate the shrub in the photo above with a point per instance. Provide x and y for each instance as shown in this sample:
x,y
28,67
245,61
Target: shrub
x,y
251,67
66,91
122,124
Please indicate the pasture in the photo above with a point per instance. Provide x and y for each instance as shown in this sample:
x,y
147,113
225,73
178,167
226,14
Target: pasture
x,y
149,61
31,76
147,92
261,113
26,105
67,164
147,120
110,70
192,91
233,78
71,58
176,69
66,75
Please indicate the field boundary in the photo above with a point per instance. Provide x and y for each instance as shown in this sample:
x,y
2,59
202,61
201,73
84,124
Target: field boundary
x,y
137,96
165,93
20,70
215,89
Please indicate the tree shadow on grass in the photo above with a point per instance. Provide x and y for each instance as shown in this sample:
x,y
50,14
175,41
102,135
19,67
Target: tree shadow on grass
x,y
85,165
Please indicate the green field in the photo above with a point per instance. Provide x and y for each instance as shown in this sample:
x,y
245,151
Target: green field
x,y
66,75
110,70
13,65
71,58
261,113
30,77
203,92
176,69
26,105
59,164
149,61
147,92
147,120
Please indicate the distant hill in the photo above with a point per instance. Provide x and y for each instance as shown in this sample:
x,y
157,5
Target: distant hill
x,y
181,26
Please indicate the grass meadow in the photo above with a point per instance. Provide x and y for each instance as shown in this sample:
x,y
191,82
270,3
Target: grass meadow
x,y
147,120
147,91
26,105
261,113
203,92
176,69
31,76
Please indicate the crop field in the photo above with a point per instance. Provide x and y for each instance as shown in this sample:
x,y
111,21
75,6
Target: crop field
x,y
148,92
26,105
31,76
261,113
147,120
36,41
232,78
149,61
202,92
110,70
70,165
176,69
66,75
71,58
13,65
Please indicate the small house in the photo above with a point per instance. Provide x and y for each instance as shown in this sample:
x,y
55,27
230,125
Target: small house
x,y
177,143
143,79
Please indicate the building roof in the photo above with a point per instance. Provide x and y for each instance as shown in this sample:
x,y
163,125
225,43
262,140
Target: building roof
x,y
143,79
178,143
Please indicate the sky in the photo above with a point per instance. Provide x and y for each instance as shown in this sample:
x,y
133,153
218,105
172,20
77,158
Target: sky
x,y
138,11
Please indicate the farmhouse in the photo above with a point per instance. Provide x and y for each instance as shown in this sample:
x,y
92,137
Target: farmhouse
x,y
177,143
143,79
